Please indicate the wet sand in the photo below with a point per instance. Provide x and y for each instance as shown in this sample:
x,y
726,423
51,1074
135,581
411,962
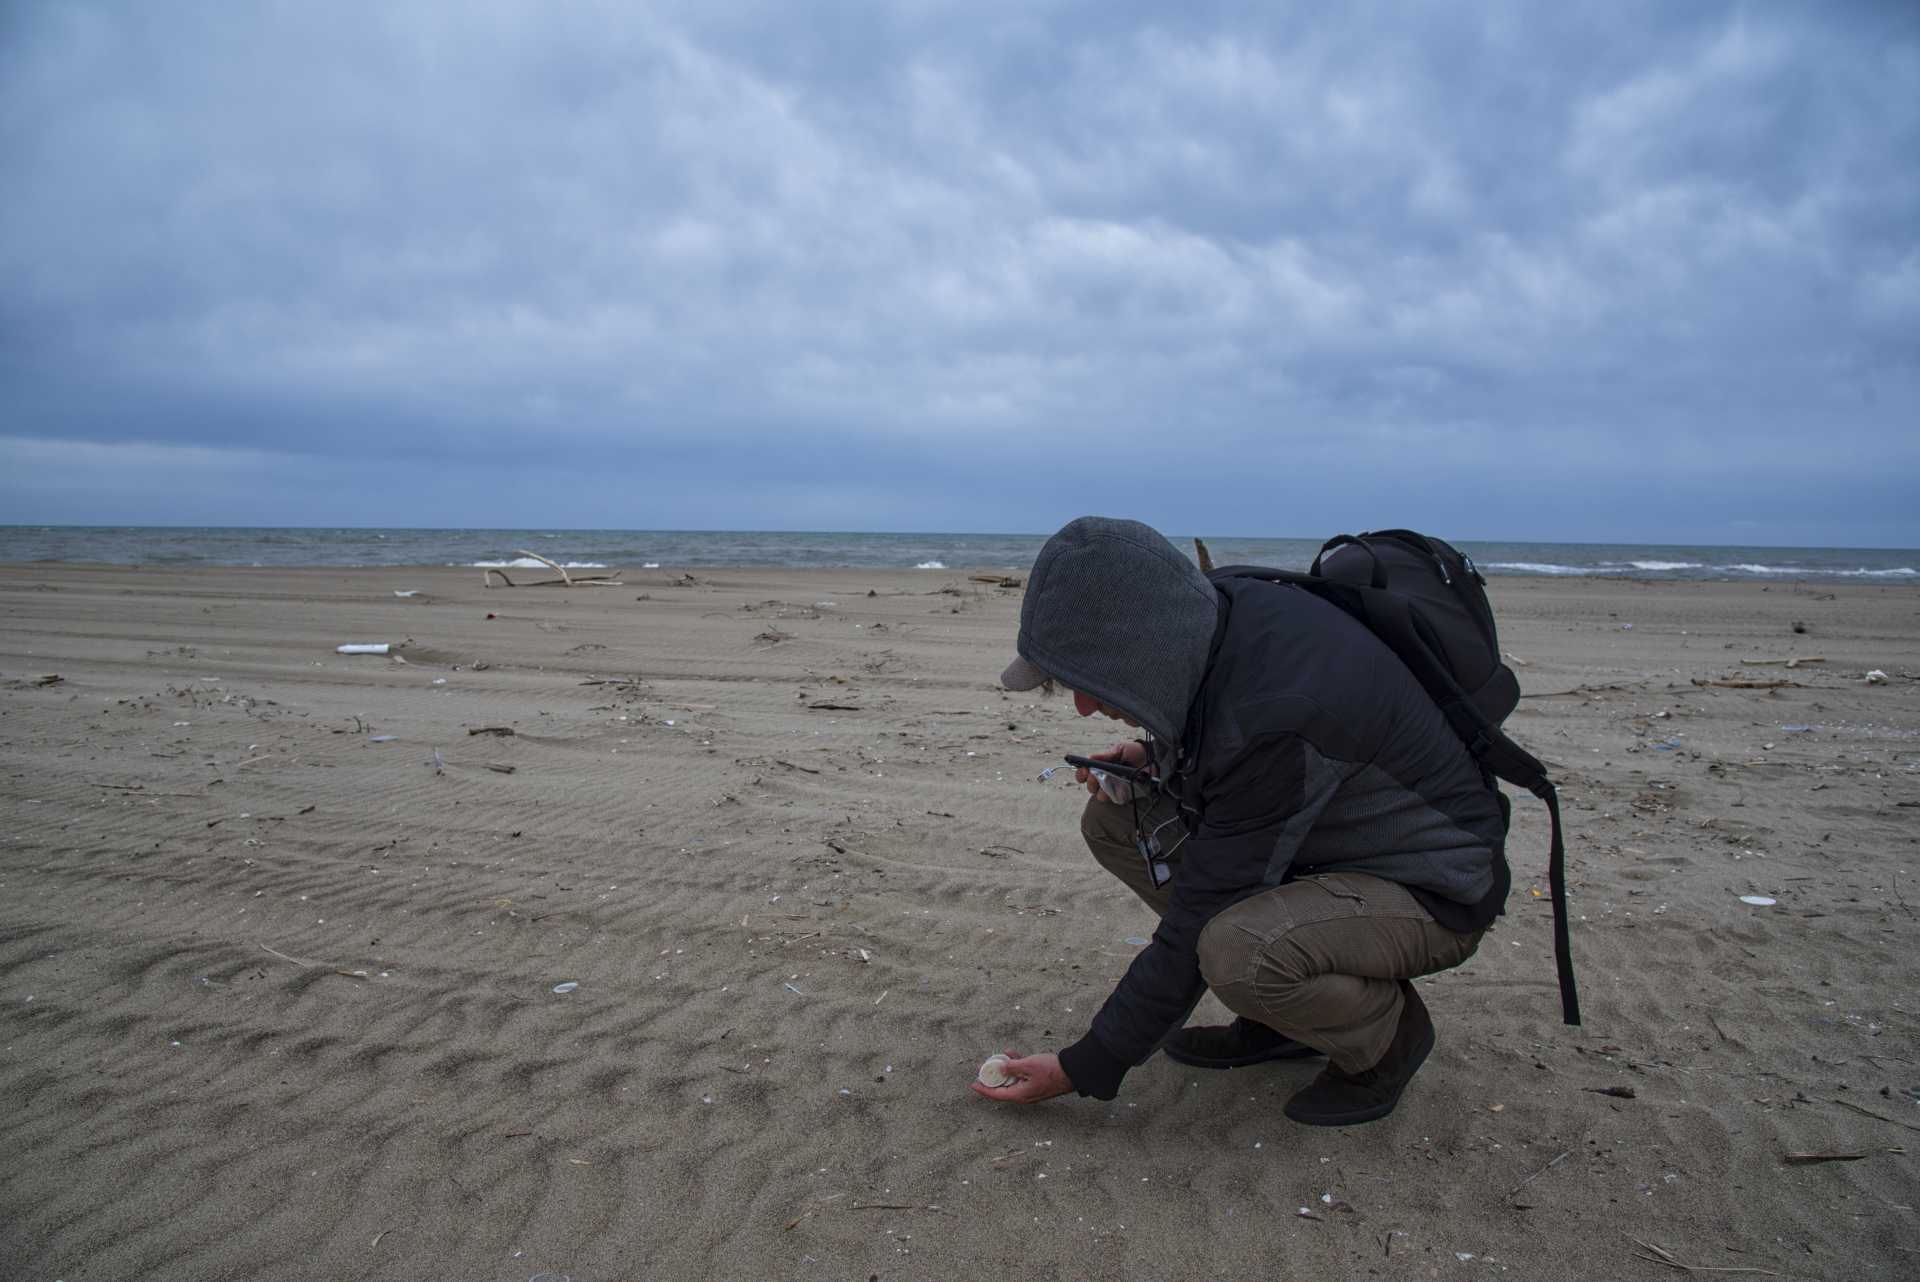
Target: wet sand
x,y
280,935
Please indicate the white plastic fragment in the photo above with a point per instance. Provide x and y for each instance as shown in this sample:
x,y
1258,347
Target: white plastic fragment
x,y
1759,901
567,987
1876,678
372,647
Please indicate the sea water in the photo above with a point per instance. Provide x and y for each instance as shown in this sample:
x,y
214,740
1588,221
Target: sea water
x,y
932,552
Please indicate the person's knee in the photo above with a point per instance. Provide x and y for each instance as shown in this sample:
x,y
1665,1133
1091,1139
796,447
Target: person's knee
x,y
1106,826
1252,967
1230,954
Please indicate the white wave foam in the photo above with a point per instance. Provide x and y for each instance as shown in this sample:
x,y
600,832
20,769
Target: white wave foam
x,y
1896,572
651,565
1666,565
1536,567
931,565
528,563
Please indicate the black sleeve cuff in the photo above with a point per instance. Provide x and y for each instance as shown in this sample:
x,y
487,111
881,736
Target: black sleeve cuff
x,y
1092,1070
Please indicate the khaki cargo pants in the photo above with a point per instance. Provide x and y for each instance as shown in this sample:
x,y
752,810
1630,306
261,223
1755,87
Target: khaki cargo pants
x,y
1319,959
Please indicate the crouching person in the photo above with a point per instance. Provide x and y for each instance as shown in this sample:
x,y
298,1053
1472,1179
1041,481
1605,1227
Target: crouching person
x,y
1310,831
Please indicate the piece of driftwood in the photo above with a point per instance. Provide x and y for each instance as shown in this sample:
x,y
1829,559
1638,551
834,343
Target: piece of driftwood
x,y
1789,663
1749,685
1205,557
998,580
608,580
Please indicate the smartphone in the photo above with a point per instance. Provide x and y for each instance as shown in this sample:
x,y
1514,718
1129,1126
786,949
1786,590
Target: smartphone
x,y
1119,770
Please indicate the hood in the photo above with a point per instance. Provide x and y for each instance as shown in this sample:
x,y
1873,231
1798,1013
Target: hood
x,y
1113,610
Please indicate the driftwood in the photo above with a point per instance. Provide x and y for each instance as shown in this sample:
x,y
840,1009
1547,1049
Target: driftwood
x,y
1791,663
997,580
1749,685
1206,557
565,580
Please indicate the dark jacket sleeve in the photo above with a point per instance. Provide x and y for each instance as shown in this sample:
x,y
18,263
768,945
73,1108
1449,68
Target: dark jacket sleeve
x,y
1255,816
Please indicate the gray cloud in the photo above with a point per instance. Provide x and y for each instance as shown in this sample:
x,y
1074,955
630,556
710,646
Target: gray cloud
x,y
1605,271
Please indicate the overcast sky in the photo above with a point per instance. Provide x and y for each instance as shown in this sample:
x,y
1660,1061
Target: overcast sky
x,y
1606,271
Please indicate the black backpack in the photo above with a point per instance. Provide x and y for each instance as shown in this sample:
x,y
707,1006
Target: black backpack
x,y
1426,600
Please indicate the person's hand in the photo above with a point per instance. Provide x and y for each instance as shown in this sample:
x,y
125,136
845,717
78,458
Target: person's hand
x,y
1130,753
1039,1077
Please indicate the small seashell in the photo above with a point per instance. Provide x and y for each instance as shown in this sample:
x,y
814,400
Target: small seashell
x,y
994,1072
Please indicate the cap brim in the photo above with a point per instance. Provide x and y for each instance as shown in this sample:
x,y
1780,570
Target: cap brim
x,y
1021,675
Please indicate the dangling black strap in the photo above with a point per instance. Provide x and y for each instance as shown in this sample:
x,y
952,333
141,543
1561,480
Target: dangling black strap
x,y
1557,883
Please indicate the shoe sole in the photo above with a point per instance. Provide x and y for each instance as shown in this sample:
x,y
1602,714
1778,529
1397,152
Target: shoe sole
x,y
1376,1111
1296,1051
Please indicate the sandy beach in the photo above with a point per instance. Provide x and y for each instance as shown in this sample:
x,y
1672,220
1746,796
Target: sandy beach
x,y
655,931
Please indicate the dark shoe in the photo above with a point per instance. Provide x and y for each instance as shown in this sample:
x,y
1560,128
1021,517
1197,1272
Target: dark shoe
x,y
1344,1099
1235,1045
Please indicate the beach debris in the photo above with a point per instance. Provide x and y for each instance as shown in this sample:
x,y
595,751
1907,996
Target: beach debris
x,y
607,580
1787,663
408,592
1138,941
997,580
993,1072
1737,684
790,988
283,957
363,647
1876,678
382,738
1616,1092
1759,901
439,763
1796,729
498,769
1536,1175
1878,1117
54,679
1204,557
505,732
1663,1256
833,707
1808,1159
567,987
